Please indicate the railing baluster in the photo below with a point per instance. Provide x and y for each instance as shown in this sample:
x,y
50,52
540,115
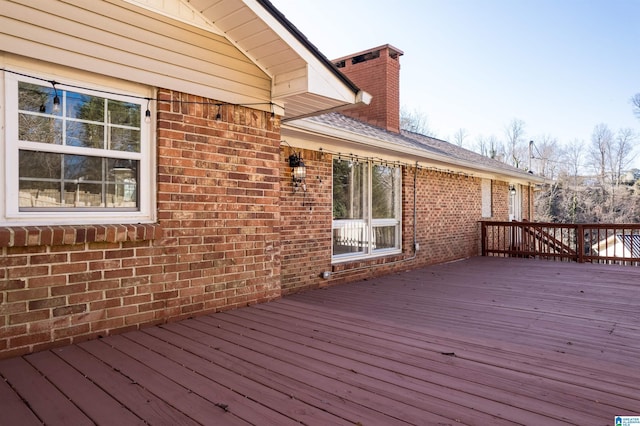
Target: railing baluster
x,y
597,243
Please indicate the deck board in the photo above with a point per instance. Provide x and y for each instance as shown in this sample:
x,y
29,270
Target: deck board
x,y
485,341
43,398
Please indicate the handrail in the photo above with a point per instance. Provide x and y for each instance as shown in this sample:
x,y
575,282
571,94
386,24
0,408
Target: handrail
x,y
586,242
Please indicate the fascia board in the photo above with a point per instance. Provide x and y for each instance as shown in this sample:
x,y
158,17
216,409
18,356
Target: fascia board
x,y
317,71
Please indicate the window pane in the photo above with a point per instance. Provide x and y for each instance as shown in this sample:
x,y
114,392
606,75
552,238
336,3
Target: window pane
x,y
85,107
124,113
74,181
384,237
123,183
349,189
83,194
34,98
81,167
39,165
383,191
125,139
39,194
37,128
85,134
350,236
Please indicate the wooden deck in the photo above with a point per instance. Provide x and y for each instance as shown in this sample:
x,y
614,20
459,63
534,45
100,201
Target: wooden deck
x,y
486,341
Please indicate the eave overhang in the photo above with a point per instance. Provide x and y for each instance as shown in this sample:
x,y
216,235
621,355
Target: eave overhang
x,y
315,135
303,81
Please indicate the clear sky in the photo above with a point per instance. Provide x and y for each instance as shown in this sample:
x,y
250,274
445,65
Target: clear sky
x,y
561,66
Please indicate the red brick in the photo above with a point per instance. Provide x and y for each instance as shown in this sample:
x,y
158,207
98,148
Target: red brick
x,y
122,311
47,281
75,299
49,258
71,331
87,277
29,271
142,318
29,317
68,289
68,268
20,295
135,300
108,324
12,285
69,310
51,302
30,339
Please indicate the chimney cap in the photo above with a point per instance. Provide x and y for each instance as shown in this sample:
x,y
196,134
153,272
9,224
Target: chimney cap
x,y
393,51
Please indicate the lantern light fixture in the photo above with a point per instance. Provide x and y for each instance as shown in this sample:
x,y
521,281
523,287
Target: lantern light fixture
x,y
298,170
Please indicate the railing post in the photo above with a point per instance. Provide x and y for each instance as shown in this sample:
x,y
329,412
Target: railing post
x,y
483,237
580,243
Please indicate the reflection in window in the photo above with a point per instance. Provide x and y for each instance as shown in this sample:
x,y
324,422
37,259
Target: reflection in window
x,y
89,121
49,180
366,209
71,179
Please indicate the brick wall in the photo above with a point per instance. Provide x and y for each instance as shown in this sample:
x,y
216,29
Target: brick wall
x,y
306,222
449,208
216,244
448,211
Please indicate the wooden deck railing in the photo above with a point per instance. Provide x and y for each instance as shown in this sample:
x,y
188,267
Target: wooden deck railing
x,y
586,242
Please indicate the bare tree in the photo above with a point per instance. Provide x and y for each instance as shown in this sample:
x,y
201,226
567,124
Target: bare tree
x,y
635,101
459,136
496,149
573,158
547,153
620,153
601,140
572,162
415,121
515,151
481,146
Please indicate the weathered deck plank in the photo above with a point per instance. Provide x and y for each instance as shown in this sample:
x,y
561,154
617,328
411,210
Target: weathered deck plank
x,y
43,398
486,341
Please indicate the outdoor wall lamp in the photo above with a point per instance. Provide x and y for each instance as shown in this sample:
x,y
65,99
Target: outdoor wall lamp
x,y
298,170
512,189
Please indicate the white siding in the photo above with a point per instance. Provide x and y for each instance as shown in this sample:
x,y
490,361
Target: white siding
x,y
117,39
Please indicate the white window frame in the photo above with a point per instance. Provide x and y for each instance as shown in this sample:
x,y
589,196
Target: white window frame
x,y
11,215
369,224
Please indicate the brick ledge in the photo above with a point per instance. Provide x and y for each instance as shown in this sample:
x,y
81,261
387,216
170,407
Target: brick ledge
x,y
354,265
26,236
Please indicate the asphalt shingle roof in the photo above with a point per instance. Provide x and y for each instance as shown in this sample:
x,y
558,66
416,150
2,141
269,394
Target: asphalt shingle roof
x,y
416,141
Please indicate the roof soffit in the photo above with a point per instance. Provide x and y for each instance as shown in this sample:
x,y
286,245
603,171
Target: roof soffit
x,y
295,69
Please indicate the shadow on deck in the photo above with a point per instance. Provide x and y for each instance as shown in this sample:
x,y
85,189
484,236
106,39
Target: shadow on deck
x,y
485,341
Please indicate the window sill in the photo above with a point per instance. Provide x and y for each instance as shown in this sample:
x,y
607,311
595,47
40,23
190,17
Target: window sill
x,y
31,236
355,264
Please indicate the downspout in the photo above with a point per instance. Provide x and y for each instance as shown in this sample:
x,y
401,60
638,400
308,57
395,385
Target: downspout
x,y
416,245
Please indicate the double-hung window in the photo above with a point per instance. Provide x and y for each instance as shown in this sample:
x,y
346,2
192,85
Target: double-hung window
x,y
74,155
366,209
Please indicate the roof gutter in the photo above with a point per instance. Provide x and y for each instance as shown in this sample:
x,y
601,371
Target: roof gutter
x,y
361,98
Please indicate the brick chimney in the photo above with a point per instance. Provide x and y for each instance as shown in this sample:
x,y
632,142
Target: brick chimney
x,y
376,71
